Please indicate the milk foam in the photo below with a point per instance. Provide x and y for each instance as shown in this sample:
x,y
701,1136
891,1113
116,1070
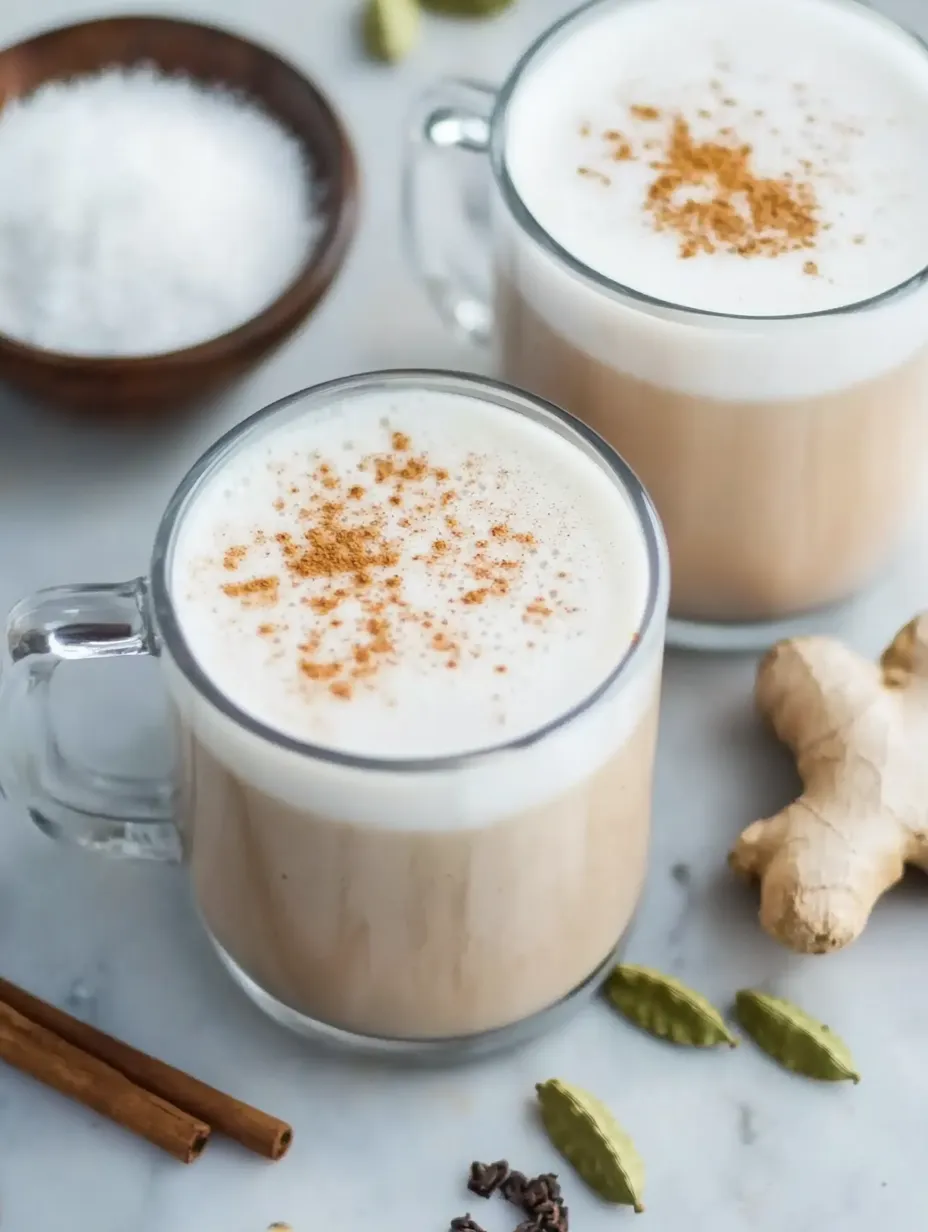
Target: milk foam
x,y
824,90
570,538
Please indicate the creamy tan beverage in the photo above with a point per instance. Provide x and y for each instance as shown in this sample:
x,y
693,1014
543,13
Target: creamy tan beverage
x,y
725,194
401,590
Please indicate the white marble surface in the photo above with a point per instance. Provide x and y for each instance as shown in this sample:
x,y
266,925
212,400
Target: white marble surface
x,y
731,1143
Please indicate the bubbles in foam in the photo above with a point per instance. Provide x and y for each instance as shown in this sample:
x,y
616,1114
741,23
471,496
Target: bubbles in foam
x,y
831,99
409,576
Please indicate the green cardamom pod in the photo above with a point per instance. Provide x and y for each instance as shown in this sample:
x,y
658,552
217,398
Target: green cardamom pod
x,y
467,8
391,28
666,1008
589,1137
790,1036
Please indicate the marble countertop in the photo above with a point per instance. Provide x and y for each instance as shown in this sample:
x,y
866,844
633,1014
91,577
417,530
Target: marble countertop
x,y
730,1142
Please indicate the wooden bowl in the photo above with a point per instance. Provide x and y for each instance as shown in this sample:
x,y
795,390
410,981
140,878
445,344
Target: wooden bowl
x,y
205,54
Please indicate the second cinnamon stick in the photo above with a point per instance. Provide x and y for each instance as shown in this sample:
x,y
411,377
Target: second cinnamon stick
x,y
258,1131
37,1051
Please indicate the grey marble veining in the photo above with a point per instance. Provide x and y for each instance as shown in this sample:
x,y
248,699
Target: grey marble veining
x,y
731,1143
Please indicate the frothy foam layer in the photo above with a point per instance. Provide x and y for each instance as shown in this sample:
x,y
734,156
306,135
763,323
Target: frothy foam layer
x,y
760,159
409,575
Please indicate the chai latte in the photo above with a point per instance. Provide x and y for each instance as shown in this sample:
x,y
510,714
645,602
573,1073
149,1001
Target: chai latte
x,y
401,579
732,188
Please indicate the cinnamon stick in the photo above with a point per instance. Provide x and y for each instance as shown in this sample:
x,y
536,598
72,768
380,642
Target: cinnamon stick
x,y
35,1050
256,1130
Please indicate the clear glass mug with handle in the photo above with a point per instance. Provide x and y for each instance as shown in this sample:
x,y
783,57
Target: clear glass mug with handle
x,y
326,893
783,453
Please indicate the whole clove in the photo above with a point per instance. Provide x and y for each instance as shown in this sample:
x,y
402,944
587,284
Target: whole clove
x,y
539,1197
550,1216
541,1189
513,1187
486,1179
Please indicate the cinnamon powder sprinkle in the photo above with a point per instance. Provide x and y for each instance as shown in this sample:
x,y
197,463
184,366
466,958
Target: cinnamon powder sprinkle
x,y
593,174
319,671
334,548
622,150
323,604
810,268
257,592
340,567
537,607
643,112
709,193
415,468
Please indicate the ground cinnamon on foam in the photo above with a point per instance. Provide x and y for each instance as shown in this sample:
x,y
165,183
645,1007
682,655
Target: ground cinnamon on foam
x,y
743,212
709,193
346,567
257,592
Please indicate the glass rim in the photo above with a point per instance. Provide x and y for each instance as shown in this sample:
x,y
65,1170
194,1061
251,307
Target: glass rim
x,y
509,398
527,222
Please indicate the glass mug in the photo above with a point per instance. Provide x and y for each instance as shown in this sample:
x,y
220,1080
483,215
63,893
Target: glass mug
x,y
783,454
316,902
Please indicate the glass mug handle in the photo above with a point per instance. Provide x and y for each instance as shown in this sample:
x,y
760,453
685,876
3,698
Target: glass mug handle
x,y
120,815
452,260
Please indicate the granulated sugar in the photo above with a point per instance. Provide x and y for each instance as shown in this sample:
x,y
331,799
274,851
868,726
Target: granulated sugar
x,y
141,213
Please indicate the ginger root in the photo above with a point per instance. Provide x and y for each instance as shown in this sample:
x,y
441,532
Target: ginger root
x,y
859,731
